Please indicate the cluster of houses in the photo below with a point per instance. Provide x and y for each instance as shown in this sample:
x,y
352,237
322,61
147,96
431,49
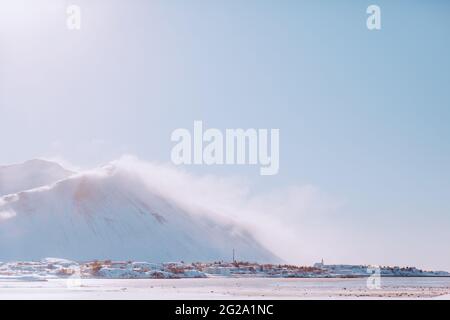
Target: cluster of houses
x,y
58,268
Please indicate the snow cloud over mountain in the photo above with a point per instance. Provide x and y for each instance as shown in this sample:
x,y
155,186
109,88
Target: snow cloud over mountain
x,y
131,209
112,213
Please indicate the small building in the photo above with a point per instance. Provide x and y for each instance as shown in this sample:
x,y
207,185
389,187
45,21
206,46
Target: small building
x,y
319,265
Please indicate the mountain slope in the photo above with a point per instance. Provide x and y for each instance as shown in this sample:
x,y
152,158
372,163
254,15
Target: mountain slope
x,y
29,175
110,214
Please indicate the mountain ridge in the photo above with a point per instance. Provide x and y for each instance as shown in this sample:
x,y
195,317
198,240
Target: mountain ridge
x,y
29,175
108,213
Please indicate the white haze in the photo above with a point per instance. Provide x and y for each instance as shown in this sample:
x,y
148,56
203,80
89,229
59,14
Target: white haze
x,y
277,219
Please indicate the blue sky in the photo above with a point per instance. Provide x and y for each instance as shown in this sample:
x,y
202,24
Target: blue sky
x,y
364,115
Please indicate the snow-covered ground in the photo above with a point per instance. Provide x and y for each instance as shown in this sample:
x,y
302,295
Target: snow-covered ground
x,y
227,288
53,268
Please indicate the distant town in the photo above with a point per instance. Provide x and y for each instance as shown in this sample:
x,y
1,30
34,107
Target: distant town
x,y
60,268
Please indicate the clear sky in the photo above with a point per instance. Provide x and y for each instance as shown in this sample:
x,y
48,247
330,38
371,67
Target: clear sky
x,y
364,115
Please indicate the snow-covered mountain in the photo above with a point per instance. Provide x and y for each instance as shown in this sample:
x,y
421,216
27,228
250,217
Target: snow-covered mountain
x,y
29,175
109,213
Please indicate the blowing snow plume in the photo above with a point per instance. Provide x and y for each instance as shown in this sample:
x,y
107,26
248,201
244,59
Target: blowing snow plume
x,y
126,210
